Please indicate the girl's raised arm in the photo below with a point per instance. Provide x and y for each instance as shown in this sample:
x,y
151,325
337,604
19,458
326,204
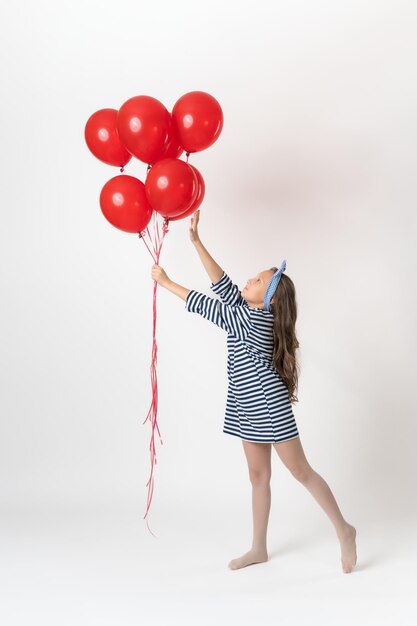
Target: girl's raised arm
x,y
212,268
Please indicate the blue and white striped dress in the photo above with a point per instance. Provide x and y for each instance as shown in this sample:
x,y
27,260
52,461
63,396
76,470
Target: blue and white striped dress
x,y
257,407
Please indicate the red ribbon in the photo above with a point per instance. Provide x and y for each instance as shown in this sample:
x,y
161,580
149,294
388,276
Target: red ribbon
x,y
152,413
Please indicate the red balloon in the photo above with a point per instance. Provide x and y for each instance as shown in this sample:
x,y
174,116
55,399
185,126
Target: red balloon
x,y
124,203
172,148
198,199
198,120
103,140
171,187
143,124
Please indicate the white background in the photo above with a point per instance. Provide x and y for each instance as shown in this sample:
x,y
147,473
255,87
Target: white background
x,y
316,164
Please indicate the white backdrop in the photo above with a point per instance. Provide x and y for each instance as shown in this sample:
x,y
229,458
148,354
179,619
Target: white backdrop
x,y
316,164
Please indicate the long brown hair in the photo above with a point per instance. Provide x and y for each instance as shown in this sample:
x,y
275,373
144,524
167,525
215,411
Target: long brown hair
x,y
286,343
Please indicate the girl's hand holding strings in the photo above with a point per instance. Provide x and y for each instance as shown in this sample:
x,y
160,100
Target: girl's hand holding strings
x,y
159,274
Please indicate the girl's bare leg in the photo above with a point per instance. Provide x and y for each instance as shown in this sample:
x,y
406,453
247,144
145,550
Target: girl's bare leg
x,y
258,456
292,455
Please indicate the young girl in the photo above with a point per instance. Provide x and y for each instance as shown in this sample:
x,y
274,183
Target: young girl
x,y
262,375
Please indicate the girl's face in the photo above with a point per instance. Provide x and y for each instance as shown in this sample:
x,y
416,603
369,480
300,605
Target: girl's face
x,y
254,290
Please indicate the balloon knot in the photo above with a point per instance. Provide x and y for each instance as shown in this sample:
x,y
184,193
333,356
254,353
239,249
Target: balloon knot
x,y
122,169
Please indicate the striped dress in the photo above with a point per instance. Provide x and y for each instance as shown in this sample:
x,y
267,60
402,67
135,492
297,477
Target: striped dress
x,y
257,406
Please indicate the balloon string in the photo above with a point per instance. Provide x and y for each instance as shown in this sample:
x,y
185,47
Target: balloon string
x,y
141,236
147,230
153,410
157,229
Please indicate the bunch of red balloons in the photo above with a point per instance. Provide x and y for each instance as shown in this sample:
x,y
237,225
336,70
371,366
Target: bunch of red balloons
x,y
145,129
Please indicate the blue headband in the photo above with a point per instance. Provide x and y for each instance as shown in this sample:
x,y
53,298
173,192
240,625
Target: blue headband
x,y
273,283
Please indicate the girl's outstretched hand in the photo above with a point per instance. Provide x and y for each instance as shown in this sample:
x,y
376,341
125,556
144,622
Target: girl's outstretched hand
x,y
194,236
159,274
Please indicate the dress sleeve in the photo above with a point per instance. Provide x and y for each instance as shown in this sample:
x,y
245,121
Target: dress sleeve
x,y
229,292
234,319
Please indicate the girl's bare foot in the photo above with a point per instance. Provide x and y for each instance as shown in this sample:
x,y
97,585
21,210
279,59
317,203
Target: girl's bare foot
x,y
348,548
250,558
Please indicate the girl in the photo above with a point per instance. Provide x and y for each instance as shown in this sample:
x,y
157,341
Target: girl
x,y
262,374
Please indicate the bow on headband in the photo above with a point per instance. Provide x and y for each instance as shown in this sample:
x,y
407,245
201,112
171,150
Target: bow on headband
x,y
273,285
